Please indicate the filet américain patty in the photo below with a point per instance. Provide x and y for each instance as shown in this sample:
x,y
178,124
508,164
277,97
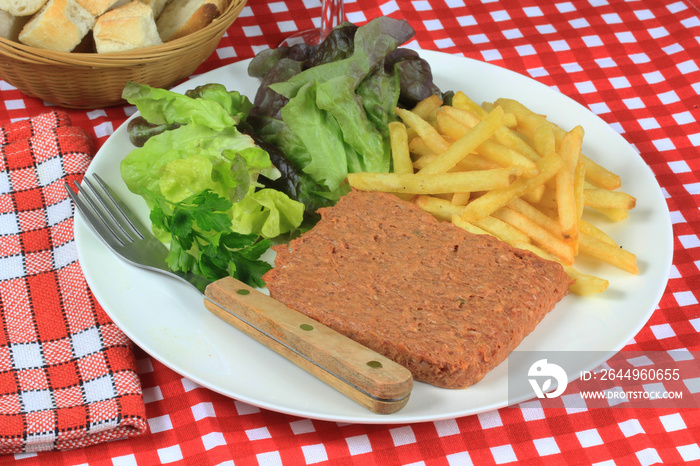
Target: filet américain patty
x,y
447,304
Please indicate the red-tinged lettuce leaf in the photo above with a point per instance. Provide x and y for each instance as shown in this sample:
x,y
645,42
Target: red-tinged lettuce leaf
x,y
373,42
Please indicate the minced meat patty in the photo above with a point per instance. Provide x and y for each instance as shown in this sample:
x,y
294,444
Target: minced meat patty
x,y
446,304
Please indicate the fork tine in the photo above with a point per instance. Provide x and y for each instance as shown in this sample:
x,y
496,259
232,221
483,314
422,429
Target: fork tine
x,y
108,206
128,215
86,190
97,222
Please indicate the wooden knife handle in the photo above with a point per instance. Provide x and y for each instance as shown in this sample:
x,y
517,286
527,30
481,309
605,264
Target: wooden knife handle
x,y
374,381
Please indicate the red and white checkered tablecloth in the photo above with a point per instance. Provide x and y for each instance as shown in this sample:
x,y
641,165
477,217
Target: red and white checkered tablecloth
x,y
636,64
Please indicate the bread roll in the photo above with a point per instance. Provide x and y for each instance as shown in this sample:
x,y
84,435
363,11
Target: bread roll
x,y
97,7
128,27
11,25
182,17
21,7
60,25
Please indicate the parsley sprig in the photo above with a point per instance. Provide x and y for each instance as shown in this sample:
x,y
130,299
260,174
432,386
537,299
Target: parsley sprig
x,y
202,241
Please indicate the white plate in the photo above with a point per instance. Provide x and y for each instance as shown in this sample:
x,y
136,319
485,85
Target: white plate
x,y
168,320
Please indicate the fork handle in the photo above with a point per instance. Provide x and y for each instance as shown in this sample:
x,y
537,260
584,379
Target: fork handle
x,y
374,381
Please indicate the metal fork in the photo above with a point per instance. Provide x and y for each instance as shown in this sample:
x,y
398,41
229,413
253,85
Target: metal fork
x,y
121,230
365,376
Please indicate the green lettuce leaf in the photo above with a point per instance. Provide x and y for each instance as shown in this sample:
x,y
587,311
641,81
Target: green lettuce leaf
x,y
161,106
235,103
337,97
267,212
189,159
320,135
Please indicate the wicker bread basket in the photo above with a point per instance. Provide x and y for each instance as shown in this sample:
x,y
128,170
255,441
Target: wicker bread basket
x,y
92,80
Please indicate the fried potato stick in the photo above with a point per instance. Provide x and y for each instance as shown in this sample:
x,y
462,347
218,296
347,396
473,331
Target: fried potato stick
x,y
400,155
426,107
594,231
567,206
445,210
466,144
606,252
548,241
441,183
583,285
602,198
473,162
438,208
424,129
579,185
470,227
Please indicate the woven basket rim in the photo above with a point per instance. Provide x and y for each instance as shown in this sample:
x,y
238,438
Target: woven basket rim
x,y
28,54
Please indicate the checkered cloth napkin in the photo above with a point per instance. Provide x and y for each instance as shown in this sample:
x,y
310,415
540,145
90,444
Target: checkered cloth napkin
x,y
67,373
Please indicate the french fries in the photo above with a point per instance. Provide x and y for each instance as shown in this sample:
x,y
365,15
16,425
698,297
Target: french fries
x,y
503,170
495,199
529,120
446,210
546,239
489,149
